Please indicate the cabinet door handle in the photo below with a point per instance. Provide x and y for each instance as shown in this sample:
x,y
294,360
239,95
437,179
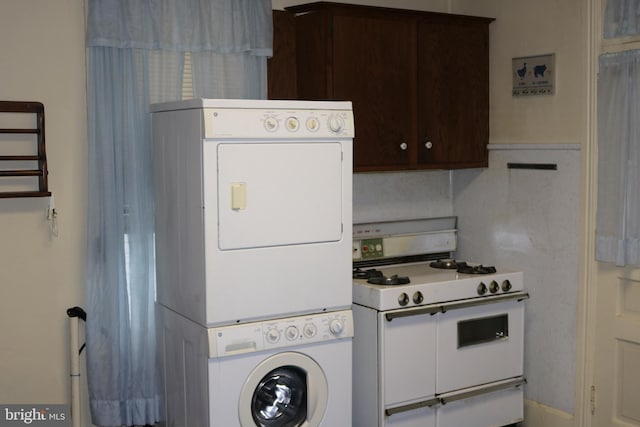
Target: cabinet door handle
x,y
428,145
403,146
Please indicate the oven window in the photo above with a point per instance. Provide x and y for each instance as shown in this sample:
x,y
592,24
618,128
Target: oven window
x,y
482,330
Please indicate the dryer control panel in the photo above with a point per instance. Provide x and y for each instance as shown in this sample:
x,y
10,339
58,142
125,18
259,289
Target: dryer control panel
x,y
282,333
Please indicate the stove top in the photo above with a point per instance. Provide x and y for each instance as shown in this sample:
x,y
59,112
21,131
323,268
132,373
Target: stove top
x,y
401,264
429,285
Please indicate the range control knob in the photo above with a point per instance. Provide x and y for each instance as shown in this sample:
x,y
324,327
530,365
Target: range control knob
x,y
403,299
418,297
494,287
506,285
482,289
336,326
273,335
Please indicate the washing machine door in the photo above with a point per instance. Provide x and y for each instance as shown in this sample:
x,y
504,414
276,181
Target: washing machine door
x,y
285,390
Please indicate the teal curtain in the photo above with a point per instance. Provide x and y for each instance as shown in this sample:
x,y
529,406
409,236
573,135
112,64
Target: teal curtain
x,y
136,51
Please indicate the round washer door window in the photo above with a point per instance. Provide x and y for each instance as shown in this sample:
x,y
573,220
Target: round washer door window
x,y
286,390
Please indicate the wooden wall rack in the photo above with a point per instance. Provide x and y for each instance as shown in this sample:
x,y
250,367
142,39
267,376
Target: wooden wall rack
x,y
39,156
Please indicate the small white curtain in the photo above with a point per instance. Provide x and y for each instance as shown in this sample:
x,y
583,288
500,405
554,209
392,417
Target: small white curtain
x,y
621,18
136,52
618,215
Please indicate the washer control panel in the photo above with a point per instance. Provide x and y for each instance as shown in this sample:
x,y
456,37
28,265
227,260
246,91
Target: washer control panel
x,y
279,333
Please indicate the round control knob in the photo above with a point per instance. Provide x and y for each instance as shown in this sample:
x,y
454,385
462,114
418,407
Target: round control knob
x,y
312,124
292,124
336,326
403,146
271,124
309,330
418,297
494,287
482,289
506,285
292,333
403,299
336,123
273,335
428,145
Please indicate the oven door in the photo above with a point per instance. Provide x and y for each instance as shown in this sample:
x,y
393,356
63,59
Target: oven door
x,y
407,363
480,341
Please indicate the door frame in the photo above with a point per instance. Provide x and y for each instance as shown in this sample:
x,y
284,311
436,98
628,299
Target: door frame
x,y
585,356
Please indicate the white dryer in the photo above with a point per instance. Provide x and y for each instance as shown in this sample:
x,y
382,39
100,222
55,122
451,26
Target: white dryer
x,y
289,372
253,208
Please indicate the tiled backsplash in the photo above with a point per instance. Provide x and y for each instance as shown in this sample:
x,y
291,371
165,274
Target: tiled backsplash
x,y
401,195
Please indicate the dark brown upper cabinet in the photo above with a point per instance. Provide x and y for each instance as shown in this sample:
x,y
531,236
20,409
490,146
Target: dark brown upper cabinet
x,y
418,81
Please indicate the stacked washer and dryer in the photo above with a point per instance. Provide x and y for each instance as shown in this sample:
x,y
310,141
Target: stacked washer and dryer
x,y
253,243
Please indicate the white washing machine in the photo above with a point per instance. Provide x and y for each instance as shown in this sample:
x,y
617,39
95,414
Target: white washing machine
x,y
288,372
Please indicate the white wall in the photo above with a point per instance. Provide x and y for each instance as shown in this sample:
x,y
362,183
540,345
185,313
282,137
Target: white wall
x,y
42,50
525,28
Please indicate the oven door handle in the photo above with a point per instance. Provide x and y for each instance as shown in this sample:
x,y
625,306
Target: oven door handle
x,y
443,308
514,383
475,302
406,312
410,407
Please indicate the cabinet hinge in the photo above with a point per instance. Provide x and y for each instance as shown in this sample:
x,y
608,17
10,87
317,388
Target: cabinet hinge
x,y
593,400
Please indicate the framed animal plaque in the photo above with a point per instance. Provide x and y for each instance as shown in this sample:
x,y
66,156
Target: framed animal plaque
x,y
533,75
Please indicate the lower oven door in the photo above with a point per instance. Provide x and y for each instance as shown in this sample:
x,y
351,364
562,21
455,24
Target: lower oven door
x,y
480,341
490,405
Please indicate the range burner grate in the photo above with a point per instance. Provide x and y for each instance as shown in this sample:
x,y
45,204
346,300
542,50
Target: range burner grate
x,y
462,267
375,277
359,273
392,280
475,269
445,264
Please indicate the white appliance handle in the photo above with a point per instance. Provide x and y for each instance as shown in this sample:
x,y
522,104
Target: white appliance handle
x,y
444,307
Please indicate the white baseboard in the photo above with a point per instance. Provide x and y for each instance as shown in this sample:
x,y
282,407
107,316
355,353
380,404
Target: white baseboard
x,y
539,415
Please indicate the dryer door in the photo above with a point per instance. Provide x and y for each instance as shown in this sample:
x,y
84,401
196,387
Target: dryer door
x,y
286,390
279,194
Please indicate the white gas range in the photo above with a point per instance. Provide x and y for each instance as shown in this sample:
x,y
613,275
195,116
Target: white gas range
x,y
437,342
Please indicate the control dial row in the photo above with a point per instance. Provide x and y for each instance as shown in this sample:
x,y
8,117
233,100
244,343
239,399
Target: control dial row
x,y
292,333
403,298
335,123
494,287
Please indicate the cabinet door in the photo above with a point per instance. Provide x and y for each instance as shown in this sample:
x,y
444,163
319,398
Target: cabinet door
x,y
374,66
454,93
